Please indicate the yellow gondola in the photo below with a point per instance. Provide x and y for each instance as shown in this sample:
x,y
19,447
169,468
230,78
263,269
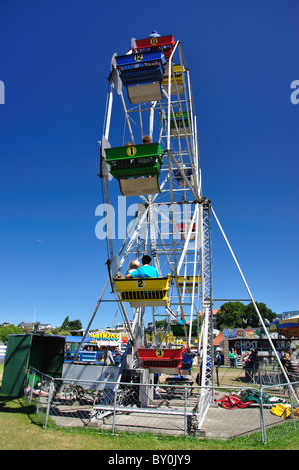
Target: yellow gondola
x,y
178,72
148,292
187,283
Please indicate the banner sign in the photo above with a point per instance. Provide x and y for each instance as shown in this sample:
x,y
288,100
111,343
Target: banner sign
x,y
249,333
105,338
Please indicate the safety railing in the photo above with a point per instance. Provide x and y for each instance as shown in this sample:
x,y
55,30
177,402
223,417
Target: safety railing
x,y
281,416
161,408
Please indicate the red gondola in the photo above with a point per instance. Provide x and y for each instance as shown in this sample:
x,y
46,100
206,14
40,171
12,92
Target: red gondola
x,y
164,44
158,359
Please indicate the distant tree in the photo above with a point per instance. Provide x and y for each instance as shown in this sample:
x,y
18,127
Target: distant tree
x,y
231,315
27,329
75,325
65,323
68,326
252,316
63,332
238,315
7,330
55,331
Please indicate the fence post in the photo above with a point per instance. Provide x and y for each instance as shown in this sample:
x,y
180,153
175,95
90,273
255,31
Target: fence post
x,y
291,392
40,391
114,411
262,418
51,388
32,384
185,410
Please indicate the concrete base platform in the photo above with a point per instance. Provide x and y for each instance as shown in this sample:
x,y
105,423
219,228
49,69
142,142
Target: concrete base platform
x,y
219,423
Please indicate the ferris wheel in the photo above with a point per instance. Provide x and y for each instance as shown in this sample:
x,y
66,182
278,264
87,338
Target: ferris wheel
x,y
154,162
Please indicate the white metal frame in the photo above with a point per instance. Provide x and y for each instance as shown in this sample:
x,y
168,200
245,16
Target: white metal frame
x,y
168,251
188,255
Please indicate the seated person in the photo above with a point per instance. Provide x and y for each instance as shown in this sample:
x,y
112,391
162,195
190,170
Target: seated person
x,y
154,34
147,139
145,270
133,266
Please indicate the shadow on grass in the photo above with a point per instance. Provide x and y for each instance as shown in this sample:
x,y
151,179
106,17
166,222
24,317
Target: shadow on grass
x,y
243,380
16,405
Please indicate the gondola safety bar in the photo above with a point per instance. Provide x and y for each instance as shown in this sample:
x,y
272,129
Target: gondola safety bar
x,y
144,292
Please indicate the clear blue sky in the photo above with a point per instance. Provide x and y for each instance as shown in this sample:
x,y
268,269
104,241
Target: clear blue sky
x,y
55,58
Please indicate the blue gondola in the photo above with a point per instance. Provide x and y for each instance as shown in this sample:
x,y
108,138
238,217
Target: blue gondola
x,y
178,176
142,74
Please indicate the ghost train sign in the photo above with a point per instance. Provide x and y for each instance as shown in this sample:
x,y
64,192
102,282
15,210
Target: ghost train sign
x,y
251,338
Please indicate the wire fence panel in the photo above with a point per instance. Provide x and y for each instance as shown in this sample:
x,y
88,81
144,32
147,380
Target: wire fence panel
x,y
280,410
123,406
163,408
231,414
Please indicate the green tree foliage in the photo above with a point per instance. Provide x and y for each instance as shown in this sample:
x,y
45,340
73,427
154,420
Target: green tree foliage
x,y
231,315
75,325
65,324
252,316
9,330
70,325
238,315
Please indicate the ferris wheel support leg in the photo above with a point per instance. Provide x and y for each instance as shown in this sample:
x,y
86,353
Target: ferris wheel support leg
x,y
183,175
169,100
127,117
123,311
91,320
109,110
107,208
174,250
151,121
207,370
138,328
153,241
256,308
193,220
194,275
134,236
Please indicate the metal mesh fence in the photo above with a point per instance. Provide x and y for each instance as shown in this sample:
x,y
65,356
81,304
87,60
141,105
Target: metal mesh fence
x,y
165,409
124,406
279,410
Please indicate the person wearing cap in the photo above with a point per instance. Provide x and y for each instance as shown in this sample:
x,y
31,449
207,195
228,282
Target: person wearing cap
x,y
117,356
154,34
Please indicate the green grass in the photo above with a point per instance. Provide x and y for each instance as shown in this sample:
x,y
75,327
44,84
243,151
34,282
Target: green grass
x,y
20,429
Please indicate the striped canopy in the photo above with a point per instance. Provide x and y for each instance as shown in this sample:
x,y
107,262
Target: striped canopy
x,y
288,327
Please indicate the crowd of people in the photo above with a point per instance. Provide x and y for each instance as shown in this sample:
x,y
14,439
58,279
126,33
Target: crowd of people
x,y
250,361
112,358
